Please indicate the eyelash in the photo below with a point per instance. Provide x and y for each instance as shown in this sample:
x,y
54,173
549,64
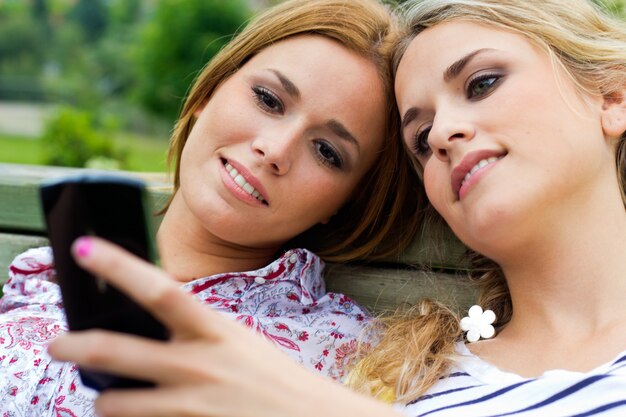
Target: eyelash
x,y
267,100
479,78
332,161
419,145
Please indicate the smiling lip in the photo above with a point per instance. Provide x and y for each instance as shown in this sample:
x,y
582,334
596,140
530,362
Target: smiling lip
x,y
467,163
245,185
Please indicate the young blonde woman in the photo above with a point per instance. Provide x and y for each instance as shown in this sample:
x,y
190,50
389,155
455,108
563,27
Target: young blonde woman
x,y
288,132
515,114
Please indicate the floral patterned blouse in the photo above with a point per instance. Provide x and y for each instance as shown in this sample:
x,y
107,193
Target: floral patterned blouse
x,y
285,301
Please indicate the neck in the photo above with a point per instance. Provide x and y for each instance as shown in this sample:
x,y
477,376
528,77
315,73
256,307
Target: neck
x,y
189,251
571,279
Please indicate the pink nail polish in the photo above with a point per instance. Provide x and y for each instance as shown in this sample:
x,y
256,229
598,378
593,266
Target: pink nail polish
x,y
83,246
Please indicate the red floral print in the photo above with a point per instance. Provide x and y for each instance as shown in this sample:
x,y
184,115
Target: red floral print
x,y
285,301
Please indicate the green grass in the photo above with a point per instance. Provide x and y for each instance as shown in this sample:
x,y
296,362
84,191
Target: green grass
x,y
143,154
20,150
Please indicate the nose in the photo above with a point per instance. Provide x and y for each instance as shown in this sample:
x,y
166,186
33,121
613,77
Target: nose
x,y
277,149
446,132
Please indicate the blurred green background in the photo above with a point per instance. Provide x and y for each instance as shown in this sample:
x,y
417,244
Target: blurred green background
x,y
100,82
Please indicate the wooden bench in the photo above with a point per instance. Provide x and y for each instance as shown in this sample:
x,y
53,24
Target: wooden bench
x,y
419,272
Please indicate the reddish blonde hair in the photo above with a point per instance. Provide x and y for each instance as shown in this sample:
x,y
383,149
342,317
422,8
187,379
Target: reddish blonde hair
x,y
382,204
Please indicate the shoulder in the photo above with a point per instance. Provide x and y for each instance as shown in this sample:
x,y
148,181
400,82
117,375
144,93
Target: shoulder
x,y
36,261
286,301
291,285
295,282
31,280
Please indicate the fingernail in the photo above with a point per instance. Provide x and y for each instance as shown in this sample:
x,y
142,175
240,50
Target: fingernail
x,y
83,246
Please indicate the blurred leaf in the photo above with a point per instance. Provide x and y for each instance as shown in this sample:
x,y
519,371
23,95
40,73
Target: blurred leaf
x,y
177,42
71,138
92,16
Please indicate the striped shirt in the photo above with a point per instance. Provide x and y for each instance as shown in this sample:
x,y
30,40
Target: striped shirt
x,y
474,388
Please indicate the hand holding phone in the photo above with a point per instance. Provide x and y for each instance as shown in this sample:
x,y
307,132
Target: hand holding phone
x,y
113,208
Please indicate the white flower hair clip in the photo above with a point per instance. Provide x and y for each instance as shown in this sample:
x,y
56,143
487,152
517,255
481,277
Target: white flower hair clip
x,y
478,324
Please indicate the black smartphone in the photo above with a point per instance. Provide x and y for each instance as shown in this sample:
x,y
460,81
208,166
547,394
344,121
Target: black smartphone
x,y
114,208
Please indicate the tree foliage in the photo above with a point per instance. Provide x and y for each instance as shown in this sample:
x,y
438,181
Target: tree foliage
x,y
72,138
88,52
120,54
22,53
92,16
176,43
22,43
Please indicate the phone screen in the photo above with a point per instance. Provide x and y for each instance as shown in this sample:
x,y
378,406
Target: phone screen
x,y
111,207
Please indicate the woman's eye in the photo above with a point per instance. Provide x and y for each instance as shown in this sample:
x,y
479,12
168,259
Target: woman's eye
x,y
328,155
482,85
267,100
419,146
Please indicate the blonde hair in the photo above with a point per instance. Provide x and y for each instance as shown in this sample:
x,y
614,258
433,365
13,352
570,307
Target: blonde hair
x,y
591,47
379,205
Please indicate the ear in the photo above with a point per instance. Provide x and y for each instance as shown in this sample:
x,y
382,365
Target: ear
x,y
614,114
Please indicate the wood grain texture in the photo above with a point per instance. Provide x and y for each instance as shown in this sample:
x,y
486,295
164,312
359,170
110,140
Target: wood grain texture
x,y
20,210
382,289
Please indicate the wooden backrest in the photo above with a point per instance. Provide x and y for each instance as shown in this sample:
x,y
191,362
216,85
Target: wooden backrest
x,y
421,271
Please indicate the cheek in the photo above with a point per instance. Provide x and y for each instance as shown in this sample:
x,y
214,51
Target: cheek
x,y
200,136
439,193
187,160
435,185
322,196
330,194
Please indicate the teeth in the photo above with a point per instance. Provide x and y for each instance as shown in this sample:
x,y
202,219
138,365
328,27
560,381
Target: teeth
x,y
241,181
481,164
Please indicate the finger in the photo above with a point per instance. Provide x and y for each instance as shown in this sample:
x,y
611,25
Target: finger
x,y
148,285
133,357
163,402
190,401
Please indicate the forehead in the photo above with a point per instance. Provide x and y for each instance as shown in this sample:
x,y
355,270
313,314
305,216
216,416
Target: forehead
x,y
431,52
312,59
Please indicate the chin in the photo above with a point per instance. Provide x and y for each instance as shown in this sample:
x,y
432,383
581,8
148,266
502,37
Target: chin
x,y
491,230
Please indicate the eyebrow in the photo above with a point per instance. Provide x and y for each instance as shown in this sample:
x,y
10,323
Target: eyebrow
x,y
341,131
449,74
288,85
455,69
409,116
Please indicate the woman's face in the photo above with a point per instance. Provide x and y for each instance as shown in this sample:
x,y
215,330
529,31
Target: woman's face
x,y
506,141
283,142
